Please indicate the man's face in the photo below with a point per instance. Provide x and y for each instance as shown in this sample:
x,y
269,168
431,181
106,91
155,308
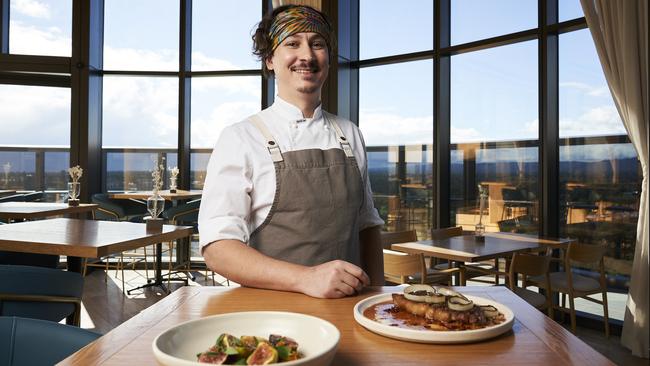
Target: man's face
x,y
300,64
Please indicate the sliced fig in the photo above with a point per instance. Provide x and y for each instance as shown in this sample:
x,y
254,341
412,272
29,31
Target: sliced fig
x,y
212,356
264,354
282,341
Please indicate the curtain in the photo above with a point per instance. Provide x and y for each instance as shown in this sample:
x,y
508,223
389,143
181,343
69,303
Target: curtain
x,y
620,32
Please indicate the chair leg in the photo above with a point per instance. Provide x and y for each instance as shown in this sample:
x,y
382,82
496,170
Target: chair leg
x,y
572,313
169,267
85,267
606,314
146,264
120,267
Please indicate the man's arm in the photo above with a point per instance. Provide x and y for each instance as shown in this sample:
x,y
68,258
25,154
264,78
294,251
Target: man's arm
x,y
238,262
372,255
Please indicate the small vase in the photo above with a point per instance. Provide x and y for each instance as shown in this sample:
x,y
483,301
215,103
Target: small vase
x,y
155,205
172,184
74,188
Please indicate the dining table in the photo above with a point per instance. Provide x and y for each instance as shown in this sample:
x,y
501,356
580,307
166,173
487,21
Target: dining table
x,y
468,248
178,195
534,338
39,210
87,239
7,192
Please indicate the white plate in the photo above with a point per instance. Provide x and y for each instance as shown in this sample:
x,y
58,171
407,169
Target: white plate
x,y
317,339
432,336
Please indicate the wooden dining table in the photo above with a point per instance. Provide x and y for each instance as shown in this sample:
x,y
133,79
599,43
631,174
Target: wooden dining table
x,y
166,194
39,210
534,339
87,238
468,249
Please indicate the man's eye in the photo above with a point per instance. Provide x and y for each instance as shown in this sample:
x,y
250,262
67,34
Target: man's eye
x,y
318,45
292,44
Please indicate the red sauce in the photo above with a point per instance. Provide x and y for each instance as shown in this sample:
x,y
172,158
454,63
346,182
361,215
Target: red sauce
x,y
387,313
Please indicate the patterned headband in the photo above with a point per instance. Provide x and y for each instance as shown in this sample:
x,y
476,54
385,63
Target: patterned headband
x,y
298,19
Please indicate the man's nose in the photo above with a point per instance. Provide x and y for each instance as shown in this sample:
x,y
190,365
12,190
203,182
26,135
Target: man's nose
x,y
306,53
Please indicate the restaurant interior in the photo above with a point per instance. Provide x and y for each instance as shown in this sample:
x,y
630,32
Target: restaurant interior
x,y
506,145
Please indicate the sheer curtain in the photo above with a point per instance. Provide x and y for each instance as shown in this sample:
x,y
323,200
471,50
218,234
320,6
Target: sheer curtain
x,y
620,31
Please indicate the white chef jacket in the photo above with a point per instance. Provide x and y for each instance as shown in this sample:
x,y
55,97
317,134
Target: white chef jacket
x,y
239,186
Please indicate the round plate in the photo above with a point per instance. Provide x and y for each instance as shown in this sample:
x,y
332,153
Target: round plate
x,y
317,339
432,336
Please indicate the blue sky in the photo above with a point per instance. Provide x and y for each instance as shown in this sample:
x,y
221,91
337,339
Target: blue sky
x,y
494,92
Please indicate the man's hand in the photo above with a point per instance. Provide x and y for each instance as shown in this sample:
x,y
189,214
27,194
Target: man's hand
x,y
333,279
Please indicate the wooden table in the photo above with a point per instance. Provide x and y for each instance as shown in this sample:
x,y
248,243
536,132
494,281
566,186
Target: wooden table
x,y
466,248
86,238
143,195
38,210
534,340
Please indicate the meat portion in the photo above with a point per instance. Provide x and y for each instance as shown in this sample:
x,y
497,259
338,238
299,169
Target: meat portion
x,y
451,319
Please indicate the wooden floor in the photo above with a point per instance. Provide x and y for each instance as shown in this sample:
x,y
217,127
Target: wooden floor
x,y
105,307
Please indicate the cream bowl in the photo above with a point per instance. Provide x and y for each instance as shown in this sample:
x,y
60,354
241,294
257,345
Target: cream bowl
x,y
317,339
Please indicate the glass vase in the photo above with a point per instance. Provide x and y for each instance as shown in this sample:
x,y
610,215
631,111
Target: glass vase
x,y
172,184
74,188
155,205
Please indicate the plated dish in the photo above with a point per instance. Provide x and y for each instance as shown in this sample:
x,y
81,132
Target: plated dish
x,y
433,315
317,338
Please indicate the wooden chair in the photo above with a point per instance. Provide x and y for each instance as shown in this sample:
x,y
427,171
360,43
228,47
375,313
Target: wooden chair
x,y
472,270
402,267
574,285
530,265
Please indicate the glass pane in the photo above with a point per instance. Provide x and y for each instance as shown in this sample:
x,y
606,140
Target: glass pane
x,y
473,20
382,33
40,27
232,24
35,138
140,128
141,35
216,103
494,137
569,9
140,112
398,131
600,174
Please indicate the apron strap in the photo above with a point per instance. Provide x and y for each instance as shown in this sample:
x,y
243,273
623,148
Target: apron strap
x,y
271,144
345,145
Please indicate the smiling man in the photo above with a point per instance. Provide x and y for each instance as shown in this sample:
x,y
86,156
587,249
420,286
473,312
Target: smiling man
x,y
287,204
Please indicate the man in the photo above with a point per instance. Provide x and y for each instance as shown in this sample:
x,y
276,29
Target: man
x,y
287,204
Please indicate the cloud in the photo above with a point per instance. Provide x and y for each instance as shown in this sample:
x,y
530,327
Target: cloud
x,y
32,8
594,91
206,129
603,120
385,128
27,39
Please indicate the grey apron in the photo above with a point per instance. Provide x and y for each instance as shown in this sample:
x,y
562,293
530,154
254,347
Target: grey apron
x,y
314,217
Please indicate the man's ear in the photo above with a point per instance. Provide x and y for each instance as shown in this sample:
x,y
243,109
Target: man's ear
x,y
269,63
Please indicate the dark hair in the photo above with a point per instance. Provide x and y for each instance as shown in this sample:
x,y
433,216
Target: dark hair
x,y
262,43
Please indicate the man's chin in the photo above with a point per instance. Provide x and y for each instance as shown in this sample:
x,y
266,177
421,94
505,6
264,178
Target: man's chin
x,y
308,89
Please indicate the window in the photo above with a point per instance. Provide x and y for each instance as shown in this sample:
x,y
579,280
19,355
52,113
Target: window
x,y
494,111
396,118
138,38
140,128
600,175
381,33
216,103
221,34
473,20
569,9
35,137
40,27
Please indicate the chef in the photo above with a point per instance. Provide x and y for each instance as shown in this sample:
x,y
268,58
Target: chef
x,y
287,204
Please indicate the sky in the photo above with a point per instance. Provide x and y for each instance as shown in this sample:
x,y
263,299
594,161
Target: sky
x,y
493,92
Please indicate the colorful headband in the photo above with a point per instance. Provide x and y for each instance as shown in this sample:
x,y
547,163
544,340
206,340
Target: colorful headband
x,y
298,19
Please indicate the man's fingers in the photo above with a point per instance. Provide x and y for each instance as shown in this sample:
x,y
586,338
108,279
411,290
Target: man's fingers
x,y
358,273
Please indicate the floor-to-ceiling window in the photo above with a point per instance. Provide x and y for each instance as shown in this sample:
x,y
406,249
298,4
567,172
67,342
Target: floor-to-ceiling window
x,y
35,112
395,110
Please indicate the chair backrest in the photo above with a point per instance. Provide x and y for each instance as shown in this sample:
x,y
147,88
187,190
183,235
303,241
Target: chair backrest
x,y
394,237
447,232
586,253
33,196
527,265
13,198
37,342
398,266
120,210
183,213
40,293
